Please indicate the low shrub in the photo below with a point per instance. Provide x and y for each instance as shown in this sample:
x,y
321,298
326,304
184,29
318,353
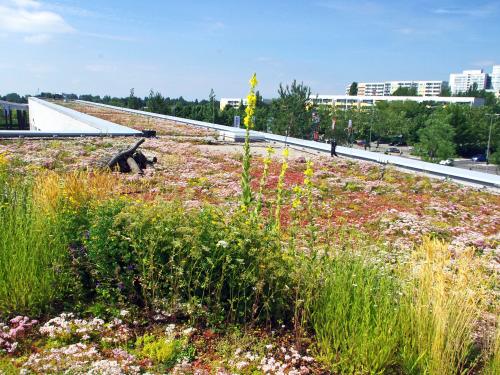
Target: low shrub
x,y
152,252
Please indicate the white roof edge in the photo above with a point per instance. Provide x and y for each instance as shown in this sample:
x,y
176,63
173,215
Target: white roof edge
x,y
101,126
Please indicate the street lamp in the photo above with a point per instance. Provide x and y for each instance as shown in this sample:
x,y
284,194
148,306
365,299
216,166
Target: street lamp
x,y
489,135
371,125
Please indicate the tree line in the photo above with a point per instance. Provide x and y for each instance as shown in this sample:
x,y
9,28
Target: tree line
x,y
436,132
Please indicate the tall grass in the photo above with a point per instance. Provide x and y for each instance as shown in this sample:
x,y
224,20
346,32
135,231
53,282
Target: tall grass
x,y
492,366
355,318
32,252
443,302
40,215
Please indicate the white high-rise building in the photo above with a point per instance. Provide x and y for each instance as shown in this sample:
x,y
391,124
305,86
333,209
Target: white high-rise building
x,y
424,88
347,101
461,82
495,78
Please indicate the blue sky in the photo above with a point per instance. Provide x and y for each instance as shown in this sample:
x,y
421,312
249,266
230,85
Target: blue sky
x,y
187,47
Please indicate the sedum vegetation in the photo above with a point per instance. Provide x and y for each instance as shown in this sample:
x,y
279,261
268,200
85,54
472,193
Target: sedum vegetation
x,y
70,242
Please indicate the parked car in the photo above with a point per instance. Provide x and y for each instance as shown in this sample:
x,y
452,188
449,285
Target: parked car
x,y
448,162
398,143
392,150
479,157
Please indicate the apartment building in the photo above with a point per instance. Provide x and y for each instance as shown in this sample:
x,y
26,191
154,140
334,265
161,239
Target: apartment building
x,y
348,101
237,102
371,88
423,88
461,82
232,102
495,78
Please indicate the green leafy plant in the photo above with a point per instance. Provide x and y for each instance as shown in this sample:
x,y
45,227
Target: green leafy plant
x,y
355,318
145,253
160,350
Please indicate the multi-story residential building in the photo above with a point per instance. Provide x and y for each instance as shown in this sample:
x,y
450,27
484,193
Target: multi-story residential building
x,y
237,102
372,88
431,88
461,82
347,101
495,78
232,102
423,88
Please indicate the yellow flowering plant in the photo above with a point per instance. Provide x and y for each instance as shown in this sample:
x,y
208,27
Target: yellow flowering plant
x,y
249,123
308,187
265,173
281,183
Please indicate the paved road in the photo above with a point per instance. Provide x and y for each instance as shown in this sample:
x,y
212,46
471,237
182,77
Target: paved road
x,y
477,166
459,163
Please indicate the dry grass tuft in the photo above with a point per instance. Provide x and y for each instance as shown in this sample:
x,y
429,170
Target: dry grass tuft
x,y
441,309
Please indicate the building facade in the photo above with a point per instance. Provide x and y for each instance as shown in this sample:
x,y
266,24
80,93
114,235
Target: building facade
x,y
237,102
232,102
495,78
461,82
423,88
347,101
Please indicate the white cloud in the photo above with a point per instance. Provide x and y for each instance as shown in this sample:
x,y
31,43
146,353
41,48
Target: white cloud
x,y
406,30
118,38
40,69
483,63
472,11
101,68
26,17
212,25
217,25
356,7
26,3
416,31
37,39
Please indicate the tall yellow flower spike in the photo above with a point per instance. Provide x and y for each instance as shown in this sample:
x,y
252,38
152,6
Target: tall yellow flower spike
x,y
253,81
249,123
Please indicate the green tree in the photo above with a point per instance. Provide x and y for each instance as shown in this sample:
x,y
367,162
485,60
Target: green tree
x,y
262,114
132,101
291,112
405,91
445,91
14,98
155,102
495,156
436,138
353,89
